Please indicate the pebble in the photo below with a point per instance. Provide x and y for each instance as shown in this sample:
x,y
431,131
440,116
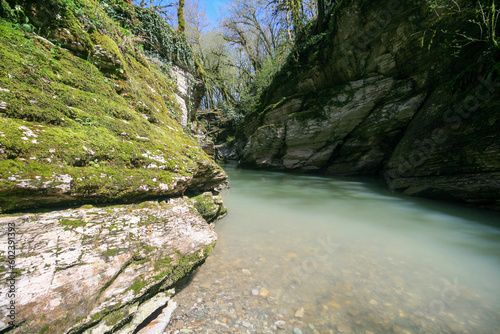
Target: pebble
x,y
343,328
280,324
297,331
373,302
264,293
246,272
335,305
300,313
255,292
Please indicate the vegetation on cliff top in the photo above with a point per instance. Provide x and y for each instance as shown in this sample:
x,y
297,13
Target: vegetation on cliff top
x,y
463,31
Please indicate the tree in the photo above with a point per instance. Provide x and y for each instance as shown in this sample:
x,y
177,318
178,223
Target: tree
x,y
162,7
180,16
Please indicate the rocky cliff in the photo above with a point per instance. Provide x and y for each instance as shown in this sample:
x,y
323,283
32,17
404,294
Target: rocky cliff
x,y
383,90
90,116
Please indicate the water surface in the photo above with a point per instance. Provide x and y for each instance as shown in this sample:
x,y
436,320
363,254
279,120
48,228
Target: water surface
x,y
333,255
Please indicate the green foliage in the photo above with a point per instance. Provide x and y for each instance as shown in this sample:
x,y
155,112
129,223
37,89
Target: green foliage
x,y
157,36
234,115
466,32
21,21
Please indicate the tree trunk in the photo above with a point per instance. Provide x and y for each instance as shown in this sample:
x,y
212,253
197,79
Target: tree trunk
x,y
321,15
180,16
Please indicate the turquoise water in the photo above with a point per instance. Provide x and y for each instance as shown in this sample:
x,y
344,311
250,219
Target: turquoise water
x,y
329,255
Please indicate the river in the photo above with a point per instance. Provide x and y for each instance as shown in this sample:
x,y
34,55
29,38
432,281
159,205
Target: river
x,y
314,254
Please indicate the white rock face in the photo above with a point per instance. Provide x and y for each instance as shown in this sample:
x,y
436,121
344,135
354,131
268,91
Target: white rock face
x,y
189,92
185,81
99,268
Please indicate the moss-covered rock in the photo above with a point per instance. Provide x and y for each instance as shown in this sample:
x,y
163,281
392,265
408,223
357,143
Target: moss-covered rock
x,y
89,127
209,206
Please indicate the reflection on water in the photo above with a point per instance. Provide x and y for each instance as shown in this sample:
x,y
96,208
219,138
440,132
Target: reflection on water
x,y
309,254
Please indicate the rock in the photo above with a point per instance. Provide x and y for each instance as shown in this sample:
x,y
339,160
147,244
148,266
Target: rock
x,y
397,329
210,206
300,313
373,302
281,324
109,135
246,272
344,328
381,107
264,293
255,292
187,93
246,324
209,148
297,331
148,308
92,266
161,322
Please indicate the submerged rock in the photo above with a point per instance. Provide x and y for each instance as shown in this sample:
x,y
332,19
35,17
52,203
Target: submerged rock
x,y
96,270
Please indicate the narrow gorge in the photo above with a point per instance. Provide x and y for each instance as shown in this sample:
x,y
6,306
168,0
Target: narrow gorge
x,y
381,91
117,129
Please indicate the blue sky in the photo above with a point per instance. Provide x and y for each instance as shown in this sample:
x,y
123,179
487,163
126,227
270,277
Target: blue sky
x,y
212,8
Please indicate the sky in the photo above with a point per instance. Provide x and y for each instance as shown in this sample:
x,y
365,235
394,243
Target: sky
x,y
212,9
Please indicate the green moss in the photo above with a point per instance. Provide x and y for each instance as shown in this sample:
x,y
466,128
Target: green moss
x,y
96,316
138,286
142,261
116,317
162,263
208,249
44,329
77,34
111,252
114,137
72,223
206,206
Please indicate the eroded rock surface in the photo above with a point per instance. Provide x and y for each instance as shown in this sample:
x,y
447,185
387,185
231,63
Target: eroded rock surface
x,y
96,270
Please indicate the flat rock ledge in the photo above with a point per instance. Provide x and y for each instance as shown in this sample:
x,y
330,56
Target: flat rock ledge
x,y
100,270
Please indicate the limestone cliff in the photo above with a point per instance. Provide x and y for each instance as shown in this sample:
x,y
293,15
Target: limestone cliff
x,y
89,115
381,92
